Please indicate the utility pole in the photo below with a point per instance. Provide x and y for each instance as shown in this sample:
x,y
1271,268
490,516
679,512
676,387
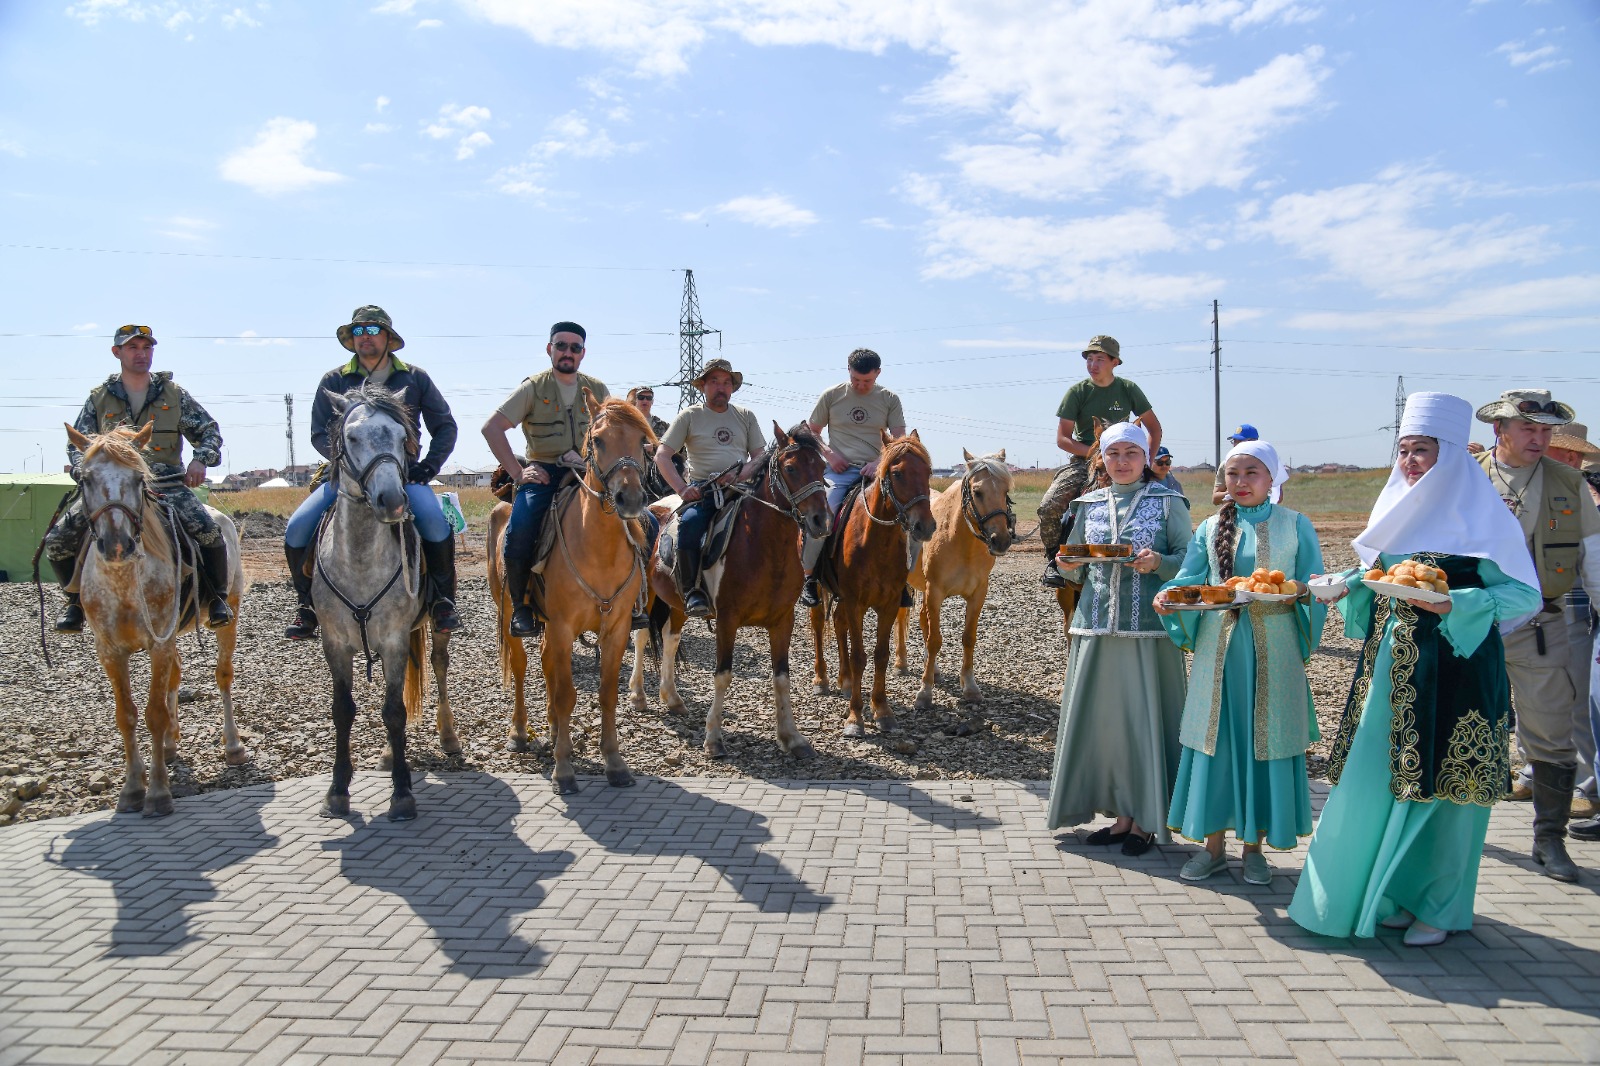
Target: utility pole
x,y
1399,413
691,349
1216,378
288,433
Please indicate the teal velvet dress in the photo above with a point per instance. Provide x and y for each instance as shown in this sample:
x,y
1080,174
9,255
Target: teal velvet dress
x,y
1374,854
1230,789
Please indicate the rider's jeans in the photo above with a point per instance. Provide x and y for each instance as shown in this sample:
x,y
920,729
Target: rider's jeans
x,y
425,510
528,508
692,522
838,485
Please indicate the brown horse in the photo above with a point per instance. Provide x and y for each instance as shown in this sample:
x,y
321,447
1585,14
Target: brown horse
x,y
1094,477
870,556
976,525
132,594
764,562
593,578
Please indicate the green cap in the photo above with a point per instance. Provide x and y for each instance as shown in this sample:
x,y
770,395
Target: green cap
x,y
1107,345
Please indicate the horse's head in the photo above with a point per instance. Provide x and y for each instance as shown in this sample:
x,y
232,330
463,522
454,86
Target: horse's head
x,y
1098,477
372,440
797,468
615,452
904,469
986,500
112,477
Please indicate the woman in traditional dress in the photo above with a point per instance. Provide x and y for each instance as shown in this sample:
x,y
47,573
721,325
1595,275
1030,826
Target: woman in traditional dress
x,y
1422,752
1248,718
1117,745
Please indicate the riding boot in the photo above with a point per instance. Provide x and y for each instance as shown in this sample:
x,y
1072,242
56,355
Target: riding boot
x,y
71,620
696,604
524,623
906,598
1552,802
214,558
305,619
1053,578
810,595
441,559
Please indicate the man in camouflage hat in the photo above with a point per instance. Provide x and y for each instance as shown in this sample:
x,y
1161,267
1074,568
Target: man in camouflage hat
x,y
371,338
135,397
1101,395
717,437
1551,502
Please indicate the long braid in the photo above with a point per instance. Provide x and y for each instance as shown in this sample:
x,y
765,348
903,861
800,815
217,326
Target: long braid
x,y
1223,536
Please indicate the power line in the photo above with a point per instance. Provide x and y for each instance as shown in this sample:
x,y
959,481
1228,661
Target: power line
x,y
319,259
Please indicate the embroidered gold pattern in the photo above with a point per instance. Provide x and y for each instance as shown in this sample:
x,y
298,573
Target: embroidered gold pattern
x,y
1265,682
1357,701
1405,762
1477,762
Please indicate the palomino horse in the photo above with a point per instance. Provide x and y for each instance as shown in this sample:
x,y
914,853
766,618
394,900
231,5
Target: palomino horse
x,y
366,585
976,525
131,588
870,557
592,580
764,562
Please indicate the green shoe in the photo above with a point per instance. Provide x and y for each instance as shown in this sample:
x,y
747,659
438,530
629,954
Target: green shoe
x,y
1203,866
1256,869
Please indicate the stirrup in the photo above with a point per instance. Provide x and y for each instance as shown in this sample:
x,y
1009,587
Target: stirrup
x,y
220,614
809,594
445,618
525,624
698,605
1052,577
71,620
304,626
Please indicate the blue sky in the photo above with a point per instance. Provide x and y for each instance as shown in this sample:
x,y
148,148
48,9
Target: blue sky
x,y
970,188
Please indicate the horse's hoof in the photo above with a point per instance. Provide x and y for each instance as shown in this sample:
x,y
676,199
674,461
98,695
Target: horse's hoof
x,y
924,701
854,731
803,750
566,786
901,670
236,756
522,744
638,703
716,748
819,689
971,695
334,806
157,806
130,802
450,745
888,724
386,763
677,708
619,779
403,808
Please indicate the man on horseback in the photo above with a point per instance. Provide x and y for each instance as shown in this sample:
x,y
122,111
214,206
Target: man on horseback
x,y
135,397
723,444
371,336
644,398
550,409
855,412
1100,395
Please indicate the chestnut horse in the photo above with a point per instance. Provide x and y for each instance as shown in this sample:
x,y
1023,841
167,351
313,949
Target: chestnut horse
x,y
755,583
869,555
976,525
130,586
1095,477
592,579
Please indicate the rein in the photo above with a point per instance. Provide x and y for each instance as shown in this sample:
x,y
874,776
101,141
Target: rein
x,y
176,534
775,476
902,510
976,521
362,612
38,587
608,505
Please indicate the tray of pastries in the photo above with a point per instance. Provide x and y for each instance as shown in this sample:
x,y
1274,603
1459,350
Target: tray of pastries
x,y
1200,598
1409,581
1268,586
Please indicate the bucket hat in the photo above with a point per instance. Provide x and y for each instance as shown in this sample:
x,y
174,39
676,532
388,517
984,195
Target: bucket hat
x,y
1105,344
1529,405
718,364
1574,437
370,314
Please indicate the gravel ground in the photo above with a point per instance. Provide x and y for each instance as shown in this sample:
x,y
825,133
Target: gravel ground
x,y
58,735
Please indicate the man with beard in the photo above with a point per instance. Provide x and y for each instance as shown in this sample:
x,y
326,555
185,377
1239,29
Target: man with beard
x,y
554,419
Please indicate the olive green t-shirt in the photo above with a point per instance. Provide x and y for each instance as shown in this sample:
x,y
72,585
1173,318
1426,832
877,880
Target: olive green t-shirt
x,y
855,422
1085,401
713,441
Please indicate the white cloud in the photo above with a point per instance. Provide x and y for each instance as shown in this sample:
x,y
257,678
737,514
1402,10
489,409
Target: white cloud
x,y
429,24
571,135
1371,232
520,179
173,14
878,223
471,143
1536,58
1090,259
769,212
461,122
239,17
251,339
10,147
1573,292
395,7
377,127
183,228
275,162
380,103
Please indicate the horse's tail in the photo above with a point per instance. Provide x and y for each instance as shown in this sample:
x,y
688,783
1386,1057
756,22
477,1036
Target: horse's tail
x,y
660,611
416,674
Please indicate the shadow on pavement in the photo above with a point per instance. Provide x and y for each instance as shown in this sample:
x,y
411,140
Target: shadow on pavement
x,y
466,876
158,867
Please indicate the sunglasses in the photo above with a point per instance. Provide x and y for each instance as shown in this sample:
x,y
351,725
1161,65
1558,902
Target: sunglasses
x,y
371,331
1527,407
136,331
563,346
1163,462
645,396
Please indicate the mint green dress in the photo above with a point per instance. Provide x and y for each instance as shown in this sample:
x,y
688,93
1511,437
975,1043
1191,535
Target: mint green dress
x,y
1230,789
1373,854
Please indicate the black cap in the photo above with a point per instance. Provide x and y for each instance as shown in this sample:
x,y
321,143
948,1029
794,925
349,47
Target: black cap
x,y
568,327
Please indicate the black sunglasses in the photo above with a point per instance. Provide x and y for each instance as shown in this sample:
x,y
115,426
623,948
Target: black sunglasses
x,y
563,346
1533,407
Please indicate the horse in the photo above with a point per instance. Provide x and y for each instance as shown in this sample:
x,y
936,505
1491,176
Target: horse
x,y
1094,477
763,554
366,585
976,526
869,556
604,522
131,587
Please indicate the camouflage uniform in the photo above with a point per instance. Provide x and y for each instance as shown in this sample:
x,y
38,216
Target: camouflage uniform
x,y
1070,482
193,423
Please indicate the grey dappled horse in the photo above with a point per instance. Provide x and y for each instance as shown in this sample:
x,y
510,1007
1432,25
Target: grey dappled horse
x,y
367,588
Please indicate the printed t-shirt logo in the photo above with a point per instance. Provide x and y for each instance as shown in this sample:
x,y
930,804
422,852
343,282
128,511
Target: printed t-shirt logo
x,y
724,435
858,415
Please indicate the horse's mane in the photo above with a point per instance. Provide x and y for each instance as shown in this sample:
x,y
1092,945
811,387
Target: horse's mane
x,y
626,412
117,446
993,465
895,450
373,395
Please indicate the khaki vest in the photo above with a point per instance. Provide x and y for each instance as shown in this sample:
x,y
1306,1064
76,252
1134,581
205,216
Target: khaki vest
x,y
552,430
1556,532
163,409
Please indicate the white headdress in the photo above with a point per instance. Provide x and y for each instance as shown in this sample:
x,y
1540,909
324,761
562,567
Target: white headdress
x,y
1268,455
1125,433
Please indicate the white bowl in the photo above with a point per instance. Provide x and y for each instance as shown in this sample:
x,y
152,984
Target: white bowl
x,y
1328,587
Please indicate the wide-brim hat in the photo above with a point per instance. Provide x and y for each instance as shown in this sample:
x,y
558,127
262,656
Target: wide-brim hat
x,y
718,364
1574,437
1509,405
1105,345
371,314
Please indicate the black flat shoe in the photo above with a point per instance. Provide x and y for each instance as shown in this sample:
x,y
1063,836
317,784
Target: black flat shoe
x,y
1105,837
1137,845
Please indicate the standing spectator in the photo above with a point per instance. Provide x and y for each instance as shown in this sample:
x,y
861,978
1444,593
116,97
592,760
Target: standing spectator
x,y
1570,445
1162,467
1247,432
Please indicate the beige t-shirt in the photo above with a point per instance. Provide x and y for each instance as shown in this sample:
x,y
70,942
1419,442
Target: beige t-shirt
x,y
855,422
712,441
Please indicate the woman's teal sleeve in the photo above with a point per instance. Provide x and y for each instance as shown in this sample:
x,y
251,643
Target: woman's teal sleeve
x,y
1308,561
1195,570
1179,531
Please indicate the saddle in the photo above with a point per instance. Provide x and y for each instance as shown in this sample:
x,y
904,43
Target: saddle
x,y
826,571
193,588
718,535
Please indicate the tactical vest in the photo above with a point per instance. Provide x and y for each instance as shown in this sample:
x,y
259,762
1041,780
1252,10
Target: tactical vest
x,y
163,409
552,430
1556,530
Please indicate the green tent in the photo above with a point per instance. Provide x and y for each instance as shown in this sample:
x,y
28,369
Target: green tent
x,y
26,503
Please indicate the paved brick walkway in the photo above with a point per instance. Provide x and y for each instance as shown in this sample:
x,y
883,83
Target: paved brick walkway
x,y
732,921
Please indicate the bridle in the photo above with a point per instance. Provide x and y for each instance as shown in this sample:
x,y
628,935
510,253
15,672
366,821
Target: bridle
x,y
902,516
174,536
975,521
605,493
608,504
774,475
361,479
